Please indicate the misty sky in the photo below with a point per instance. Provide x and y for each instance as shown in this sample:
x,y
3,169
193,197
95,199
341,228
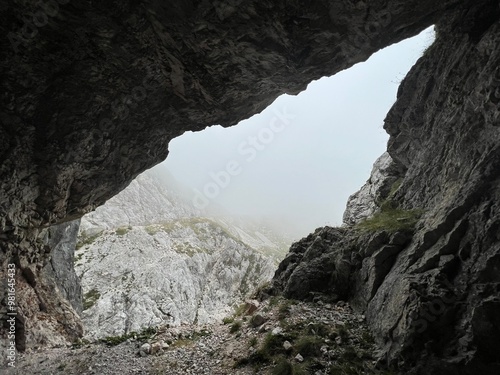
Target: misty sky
x,y
300,159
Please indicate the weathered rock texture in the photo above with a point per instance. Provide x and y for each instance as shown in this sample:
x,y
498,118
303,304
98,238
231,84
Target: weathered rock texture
x,y
148,258
386,176
181,272
93,92
61,240
48,292
431,295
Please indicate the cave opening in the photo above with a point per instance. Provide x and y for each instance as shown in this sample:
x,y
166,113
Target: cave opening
x,y
199,232
298,161
186,273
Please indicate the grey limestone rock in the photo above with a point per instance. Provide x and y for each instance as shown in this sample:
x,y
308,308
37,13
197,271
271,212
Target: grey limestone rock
x,y
429,296
385,176
148,258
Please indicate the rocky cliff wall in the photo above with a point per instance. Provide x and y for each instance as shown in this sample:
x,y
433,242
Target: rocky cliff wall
x,y
180,272
149,258
61,240
424,267
385,177
92,93
47,293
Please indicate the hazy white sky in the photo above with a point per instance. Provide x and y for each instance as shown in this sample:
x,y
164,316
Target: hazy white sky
x,y
301,158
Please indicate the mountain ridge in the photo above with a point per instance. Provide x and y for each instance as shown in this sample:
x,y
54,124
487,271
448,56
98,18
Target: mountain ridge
x,y
149,258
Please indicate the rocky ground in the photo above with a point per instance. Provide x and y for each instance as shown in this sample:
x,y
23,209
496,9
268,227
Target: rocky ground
x,y
276,336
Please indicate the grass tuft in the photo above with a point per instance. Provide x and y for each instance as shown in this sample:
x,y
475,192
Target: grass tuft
x,y
391,220
308,346
144,335
236,326
283,368
122,231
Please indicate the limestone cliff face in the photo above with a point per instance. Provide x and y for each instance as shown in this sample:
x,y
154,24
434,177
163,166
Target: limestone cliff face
x,y
430,292
151,198
189,271
47,291
386,176
92,92
148,258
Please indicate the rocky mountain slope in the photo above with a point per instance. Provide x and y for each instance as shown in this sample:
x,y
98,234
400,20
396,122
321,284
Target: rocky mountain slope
x,y
147,258
276,336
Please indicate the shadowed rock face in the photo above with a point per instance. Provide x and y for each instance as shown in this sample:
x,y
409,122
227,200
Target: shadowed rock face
x,y
92,92
431,294
93,97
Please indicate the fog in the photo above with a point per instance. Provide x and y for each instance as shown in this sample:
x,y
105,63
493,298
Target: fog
x,y
297,162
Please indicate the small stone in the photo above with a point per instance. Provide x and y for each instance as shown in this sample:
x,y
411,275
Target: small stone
x,y
264,328
299,358
155,348
164,345
146,348
277,331
287,346
257,320
251,306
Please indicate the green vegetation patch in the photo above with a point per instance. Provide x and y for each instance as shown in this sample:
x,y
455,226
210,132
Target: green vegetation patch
x,y
152,229
308,346
307,339
90,298
395,187
285,367
391,220
285,307
78,257
189,340
86,240
236,326
122,231
144,335
253,342
240,309
390,217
